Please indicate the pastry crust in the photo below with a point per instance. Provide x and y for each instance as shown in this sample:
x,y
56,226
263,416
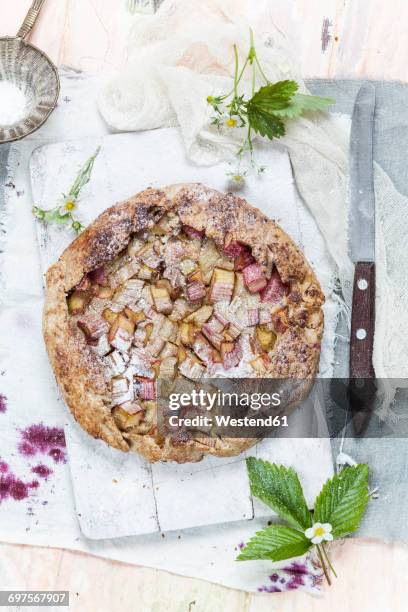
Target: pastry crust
x,y
224,218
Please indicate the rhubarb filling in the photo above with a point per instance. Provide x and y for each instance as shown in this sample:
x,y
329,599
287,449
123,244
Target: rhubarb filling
x,y
174,304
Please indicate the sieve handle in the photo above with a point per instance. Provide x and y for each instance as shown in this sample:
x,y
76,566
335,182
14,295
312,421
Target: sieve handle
x,y
30,19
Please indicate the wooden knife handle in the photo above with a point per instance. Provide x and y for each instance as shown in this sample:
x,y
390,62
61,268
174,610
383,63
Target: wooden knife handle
x,y
363,321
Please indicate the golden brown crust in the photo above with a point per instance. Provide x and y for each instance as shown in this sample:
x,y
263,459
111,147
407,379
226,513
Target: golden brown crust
x,y
224,217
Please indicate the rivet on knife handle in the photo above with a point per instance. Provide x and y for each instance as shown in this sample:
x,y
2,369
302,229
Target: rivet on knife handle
x,y
363,321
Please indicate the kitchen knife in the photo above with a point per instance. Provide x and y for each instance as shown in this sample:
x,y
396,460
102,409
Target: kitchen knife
x,y
362,253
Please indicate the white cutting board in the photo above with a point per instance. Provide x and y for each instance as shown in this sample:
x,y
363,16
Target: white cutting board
x,y
119,494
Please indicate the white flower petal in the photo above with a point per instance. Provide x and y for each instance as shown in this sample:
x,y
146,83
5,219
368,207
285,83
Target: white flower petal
x,y
309,533
327,527
317,539
328,537
317,525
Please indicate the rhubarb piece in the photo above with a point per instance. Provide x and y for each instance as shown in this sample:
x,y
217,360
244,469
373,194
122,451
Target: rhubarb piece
x,y
181,309
244,259
140,363
93,326
149,256
124,273
128,415
77,302
265,316
203,349
109,315
192,232
265,337
84,284
154,346
99,277
280,320
186,333
214,324
258,365
102,347
275,290
134,246
145,273
208,259
170,350
115,364
168,368
231,354
146,389
129,294
191,368
253,316
102,292
121,333
181,354
254,278
222,285
234,249
161,298
168,330
122,391
214,337
135,316
174,292
200,316
187,266
195,287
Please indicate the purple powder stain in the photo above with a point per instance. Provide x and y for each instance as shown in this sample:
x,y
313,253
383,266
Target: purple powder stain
x,y
43,471
3,403
13,487
3,467
41,439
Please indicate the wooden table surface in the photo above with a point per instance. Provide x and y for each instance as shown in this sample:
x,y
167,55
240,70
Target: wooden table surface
x,y
339,38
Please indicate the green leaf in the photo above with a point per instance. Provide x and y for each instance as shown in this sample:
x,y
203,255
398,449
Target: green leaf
x,y
343,500
84,175
276,543
302,103
263,106
279,487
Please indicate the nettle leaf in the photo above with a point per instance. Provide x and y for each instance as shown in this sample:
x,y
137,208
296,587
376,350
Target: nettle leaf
x,y
276,543
343,500
262,107
302,103
279,487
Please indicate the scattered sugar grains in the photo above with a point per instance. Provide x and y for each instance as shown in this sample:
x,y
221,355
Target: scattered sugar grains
x,y
12,103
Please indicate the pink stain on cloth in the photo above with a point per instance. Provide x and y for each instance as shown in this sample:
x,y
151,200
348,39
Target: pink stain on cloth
x,y
13,487
3,404
43,440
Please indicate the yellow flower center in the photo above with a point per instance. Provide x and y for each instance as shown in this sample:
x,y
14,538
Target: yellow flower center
x,y
231,122
319,531
70,205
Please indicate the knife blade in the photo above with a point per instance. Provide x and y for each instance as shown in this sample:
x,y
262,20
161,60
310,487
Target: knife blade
x,y
362,200
362,253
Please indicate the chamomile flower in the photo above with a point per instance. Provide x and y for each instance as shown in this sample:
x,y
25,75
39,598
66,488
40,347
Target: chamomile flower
x,y
319,532
69,204
231,123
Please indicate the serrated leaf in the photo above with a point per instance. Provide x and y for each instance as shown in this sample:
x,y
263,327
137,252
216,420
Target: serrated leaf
x,y
262,107
279,488
302,103
343,500
276,543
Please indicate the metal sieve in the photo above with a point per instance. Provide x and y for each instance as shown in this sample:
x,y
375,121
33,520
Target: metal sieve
x,y
25,66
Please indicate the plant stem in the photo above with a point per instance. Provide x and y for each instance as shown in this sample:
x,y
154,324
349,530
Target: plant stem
x,y
323,564
260,70
328,559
